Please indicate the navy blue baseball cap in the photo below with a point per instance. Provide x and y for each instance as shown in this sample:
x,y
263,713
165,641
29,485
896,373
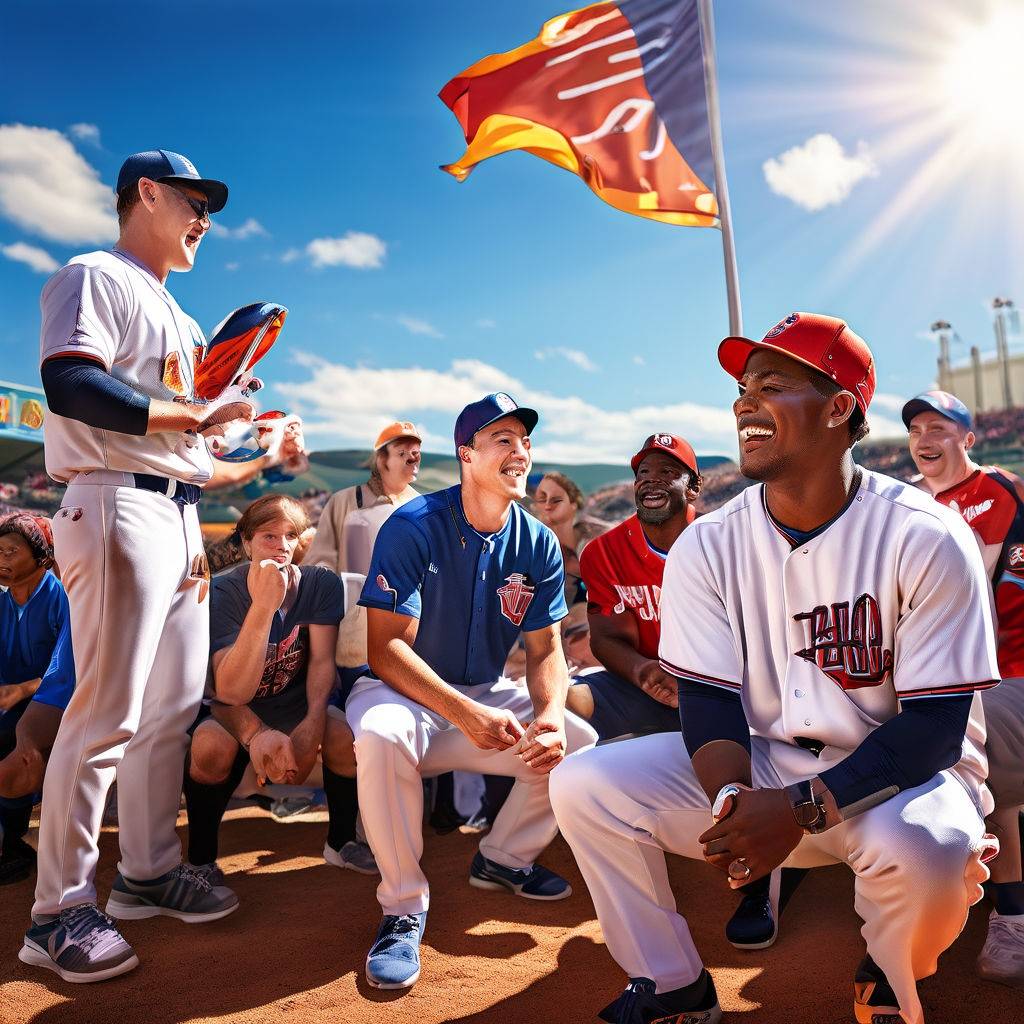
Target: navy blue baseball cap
x,y
941,402
478,415
167,167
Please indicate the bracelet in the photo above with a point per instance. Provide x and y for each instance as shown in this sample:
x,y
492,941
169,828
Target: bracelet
x,y
247,743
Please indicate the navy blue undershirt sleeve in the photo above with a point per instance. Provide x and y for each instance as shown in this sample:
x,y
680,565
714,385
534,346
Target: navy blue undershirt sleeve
x,y
79,389
708,713
925,738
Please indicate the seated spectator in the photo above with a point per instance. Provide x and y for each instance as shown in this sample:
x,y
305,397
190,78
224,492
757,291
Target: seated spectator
x,y
37,677
273,631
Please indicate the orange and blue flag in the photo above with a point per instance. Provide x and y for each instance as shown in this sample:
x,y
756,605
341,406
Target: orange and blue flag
x,y
613,92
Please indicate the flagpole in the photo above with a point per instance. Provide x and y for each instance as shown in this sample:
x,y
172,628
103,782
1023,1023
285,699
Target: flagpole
x,y
732,276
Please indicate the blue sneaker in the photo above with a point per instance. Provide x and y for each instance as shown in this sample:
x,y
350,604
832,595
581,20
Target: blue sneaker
x,y
534,883
394,957
80,945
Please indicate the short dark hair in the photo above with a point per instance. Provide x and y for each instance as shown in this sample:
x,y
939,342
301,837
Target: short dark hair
x,y
858,423
127,200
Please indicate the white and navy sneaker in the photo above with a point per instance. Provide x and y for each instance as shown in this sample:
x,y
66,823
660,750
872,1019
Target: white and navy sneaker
x,y
1002,957
183,893
534,883
81,944
394,958
353,855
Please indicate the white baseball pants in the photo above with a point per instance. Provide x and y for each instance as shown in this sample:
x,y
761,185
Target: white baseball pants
x,y
140,628
622,806
399,742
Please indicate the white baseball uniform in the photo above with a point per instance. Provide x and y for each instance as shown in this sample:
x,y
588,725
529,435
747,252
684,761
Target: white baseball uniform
x,y
822,641
133,564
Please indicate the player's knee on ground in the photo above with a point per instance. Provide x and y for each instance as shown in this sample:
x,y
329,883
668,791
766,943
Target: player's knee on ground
x,y
337,750
383,726
212,754
21,773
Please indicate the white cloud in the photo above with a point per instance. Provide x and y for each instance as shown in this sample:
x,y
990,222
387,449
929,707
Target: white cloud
x,y
356,249
414,325
349,404
290,255
819,173
639,361
572,355
486,324
85,132
47,187
38,259
231,266
250,228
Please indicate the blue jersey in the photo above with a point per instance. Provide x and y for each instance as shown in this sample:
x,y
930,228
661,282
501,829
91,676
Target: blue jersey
x,y
473,593
35,642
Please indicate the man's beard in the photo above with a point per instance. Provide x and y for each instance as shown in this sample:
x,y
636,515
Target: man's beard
x,y
658,516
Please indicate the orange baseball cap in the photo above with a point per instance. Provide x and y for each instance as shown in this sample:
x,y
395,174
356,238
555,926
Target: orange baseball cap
x,y
823,343
678,448
393,431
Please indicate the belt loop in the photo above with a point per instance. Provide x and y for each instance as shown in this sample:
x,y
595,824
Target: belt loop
x,y
172,486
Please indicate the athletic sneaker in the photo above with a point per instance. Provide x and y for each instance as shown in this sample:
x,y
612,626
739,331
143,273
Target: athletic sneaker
x,y
80,944
640,1004
211,872
354,856
755,924
17,861
1002,957
182,893
534,883
394,957
874,1001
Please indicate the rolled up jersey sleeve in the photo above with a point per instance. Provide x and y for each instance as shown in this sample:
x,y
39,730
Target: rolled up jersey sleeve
x,y
58,681
697,641
401,556
84,312
548,605
945,637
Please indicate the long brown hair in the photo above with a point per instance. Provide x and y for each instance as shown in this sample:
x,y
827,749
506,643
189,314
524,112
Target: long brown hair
x,y
268,508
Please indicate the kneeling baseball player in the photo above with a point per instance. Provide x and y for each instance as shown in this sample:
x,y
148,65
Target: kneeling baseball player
x,y
456,576
825,715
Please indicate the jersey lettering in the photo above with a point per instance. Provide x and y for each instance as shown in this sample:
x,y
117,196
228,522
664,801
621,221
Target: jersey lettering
x,y
515,597
644,599
847,645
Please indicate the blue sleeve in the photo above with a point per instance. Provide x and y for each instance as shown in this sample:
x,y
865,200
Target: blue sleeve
x,y
80,389
58,682
925,738
708,713
229,604
548,604
401,555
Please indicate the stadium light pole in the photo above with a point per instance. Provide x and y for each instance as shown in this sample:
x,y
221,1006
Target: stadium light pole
x,y
941,330
1003,308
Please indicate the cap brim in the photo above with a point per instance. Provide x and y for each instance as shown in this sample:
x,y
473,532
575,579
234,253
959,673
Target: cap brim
x,y
398,437
734,352
216,192
528,417
918,405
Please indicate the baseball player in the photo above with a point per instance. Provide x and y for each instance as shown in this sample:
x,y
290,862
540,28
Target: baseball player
x,y
456,576
826,716
37,676
118,358
991,501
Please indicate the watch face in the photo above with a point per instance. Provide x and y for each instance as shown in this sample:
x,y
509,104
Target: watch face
x,y
807,814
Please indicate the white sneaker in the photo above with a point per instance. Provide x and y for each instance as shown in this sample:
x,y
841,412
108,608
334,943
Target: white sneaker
x,y
1002,957
354,856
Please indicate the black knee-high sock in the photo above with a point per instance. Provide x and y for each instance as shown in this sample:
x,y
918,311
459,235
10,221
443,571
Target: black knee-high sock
x,y
206,805
14,821
342,808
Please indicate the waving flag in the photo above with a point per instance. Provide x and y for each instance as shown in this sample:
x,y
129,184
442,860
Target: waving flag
x,y
614,92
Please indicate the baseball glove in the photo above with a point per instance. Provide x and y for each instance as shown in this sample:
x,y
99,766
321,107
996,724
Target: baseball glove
x,y
238,343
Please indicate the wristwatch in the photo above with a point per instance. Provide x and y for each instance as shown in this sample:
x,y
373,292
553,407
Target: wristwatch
x,y
808,808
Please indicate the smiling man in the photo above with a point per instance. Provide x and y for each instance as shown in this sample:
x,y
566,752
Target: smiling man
x,y
456,577
991,501
825,715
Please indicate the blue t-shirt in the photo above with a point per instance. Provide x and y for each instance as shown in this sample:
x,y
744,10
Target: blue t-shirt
x,y
35,642
473,593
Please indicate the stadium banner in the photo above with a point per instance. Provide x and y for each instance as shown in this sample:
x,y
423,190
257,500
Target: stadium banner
x,y
613,92
22,410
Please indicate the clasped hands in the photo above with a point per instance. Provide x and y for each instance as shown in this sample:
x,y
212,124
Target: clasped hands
x,y
541,745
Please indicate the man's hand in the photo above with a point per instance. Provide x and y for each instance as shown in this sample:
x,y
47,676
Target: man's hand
x,y
13,694
273,757
657,683
233,404
268,584
761,830
21,771
543,745
306,738
487,728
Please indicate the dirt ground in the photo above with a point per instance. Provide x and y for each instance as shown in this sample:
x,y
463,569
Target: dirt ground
x,y
294,951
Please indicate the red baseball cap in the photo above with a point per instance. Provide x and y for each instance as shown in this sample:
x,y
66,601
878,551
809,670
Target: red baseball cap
x,y
676,447
823,343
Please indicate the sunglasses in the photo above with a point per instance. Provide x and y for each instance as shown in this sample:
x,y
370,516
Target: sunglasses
x,y
200,207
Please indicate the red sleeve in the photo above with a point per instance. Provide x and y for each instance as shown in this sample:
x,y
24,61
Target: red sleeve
x,y
596,573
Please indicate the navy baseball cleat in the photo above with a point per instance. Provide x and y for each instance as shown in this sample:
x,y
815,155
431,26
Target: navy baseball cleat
x,y
640,1004
534,883
80,944
183,892
755,924
394,958
874,1001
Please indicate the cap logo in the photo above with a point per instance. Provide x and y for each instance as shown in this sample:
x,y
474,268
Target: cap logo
x,y
780,327
665,440
505,403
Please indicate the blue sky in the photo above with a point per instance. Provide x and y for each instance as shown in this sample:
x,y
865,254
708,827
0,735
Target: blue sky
x,y
411,293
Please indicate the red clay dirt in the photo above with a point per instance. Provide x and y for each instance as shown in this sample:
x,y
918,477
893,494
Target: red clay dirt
x,y
294,951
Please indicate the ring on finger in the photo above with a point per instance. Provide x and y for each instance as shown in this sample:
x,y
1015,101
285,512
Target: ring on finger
x,y
739,869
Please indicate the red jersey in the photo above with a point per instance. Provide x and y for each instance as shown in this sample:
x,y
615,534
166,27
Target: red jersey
x,y
991,500
622,573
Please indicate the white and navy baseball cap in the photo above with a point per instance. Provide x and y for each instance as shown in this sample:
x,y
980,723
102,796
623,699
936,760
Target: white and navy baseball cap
x,y
941,402
490,408
164,166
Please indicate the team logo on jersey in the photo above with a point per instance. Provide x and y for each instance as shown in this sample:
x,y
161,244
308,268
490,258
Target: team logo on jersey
x,y
973,511
1015,557
643,599
515,597
782,325
847,643
171,375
